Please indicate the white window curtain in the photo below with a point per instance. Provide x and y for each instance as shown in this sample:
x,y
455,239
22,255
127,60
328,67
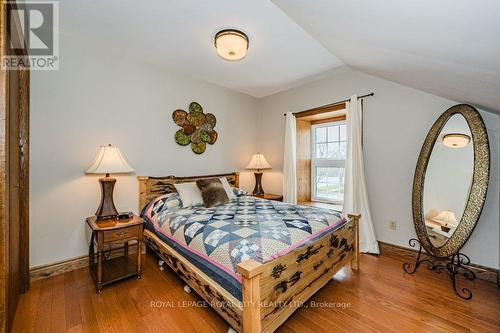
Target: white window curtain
x,y
355,195
290,160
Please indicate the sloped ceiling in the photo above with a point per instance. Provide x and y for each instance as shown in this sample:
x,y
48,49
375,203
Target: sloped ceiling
x,y
179,35
450,48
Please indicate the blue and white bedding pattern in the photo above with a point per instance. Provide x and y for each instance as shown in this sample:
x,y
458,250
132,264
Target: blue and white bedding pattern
x,y
246,228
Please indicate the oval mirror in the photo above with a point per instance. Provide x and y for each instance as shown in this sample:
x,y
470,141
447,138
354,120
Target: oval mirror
x,y
451,180
448,180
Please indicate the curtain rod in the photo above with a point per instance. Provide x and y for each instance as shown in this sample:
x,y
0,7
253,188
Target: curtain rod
x,y
332,104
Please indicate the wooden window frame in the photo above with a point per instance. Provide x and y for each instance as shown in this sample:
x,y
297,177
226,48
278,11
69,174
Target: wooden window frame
x,y
314,163
305,120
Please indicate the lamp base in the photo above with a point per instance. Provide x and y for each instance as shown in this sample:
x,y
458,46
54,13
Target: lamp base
x,y
445,229
258,190
107,209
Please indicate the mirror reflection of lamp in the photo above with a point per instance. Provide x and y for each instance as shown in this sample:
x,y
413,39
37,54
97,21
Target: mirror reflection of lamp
x,y
446,219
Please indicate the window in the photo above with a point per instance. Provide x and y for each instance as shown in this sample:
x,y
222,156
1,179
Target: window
x,y
328,154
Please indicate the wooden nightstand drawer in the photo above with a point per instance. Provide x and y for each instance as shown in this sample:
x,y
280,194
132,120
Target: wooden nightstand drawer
x,y
122,234
106,270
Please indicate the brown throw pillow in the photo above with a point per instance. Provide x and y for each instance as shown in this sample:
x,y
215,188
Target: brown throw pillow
x,y
212,192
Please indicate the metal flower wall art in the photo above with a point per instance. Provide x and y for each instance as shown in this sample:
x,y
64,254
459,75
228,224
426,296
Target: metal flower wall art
x,y
197,128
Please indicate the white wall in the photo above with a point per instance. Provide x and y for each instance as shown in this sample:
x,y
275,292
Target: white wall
x,y
98,98
396,121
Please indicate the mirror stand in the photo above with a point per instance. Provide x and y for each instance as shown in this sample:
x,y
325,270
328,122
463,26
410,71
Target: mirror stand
x,y
453,265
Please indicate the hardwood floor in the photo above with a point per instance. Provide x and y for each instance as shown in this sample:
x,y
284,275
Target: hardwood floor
x,y
380,298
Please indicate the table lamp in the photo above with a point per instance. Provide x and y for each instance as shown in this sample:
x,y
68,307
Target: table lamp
x,y
446,219
258,162
108,160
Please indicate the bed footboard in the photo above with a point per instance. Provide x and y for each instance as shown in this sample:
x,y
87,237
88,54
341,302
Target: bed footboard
x,y
224,303
274,290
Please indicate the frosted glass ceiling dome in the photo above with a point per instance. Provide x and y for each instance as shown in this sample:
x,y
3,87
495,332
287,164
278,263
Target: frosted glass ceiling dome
x,y
231,44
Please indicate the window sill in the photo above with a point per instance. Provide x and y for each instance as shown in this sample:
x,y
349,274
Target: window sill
x,y
322,205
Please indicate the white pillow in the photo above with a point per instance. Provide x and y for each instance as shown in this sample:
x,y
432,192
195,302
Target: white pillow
x,y
227,188
189,193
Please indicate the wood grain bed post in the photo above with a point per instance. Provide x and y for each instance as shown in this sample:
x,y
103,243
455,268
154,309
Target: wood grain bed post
x,y
142,191
355,259
236,179
250,271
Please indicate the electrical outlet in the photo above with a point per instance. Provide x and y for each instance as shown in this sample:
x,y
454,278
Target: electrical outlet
x,y
392,225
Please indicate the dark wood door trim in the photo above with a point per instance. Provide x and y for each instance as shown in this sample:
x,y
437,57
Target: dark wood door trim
x,y
13,188
23,146
14,179
4,199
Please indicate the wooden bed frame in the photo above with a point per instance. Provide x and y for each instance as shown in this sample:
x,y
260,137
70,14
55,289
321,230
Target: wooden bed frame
x,y
271,291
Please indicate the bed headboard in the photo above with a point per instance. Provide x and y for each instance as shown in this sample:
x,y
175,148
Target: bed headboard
x,y
151,187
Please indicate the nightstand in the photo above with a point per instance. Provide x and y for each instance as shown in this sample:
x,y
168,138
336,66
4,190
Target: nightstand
x,y
108,267
268,196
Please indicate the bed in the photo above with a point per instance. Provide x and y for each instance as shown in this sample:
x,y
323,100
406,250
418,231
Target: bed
x,y
254,261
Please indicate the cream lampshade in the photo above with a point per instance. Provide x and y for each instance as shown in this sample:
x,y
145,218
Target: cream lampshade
x,y
258,162
446,219
109,160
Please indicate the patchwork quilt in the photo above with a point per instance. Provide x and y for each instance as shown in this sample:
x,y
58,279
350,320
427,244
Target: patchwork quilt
x,y
245,228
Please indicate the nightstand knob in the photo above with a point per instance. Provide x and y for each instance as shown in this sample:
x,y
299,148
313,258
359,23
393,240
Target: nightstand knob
x,y
121,233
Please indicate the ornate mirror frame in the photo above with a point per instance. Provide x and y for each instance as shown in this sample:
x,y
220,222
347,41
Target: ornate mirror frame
x,y
479,187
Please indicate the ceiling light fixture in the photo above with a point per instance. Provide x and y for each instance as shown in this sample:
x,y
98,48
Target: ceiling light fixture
x,y
231,44
456,140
